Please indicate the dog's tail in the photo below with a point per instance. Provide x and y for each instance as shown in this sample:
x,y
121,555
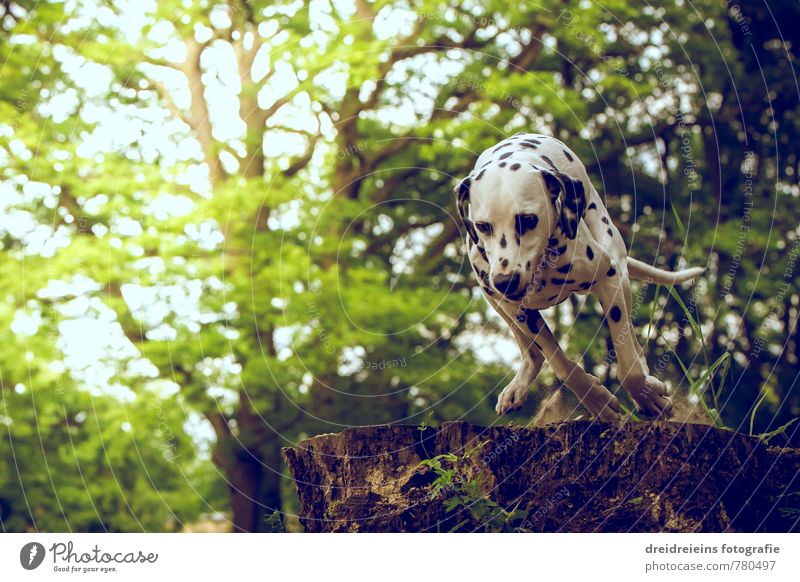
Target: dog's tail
x,y
644,272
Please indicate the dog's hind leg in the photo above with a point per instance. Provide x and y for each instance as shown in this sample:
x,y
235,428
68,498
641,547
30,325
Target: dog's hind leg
x,y
649,393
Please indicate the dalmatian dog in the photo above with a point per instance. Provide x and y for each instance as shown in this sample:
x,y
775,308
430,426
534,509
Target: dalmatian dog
x,y
537,232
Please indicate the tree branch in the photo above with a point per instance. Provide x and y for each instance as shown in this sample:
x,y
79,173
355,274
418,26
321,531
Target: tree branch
x,y
433,253
201,121
303,160
176,111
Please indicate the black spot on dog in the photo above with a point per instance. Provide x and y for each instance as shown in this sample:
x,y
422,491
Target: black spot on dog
x,y
521,317
572,208
515,167
518,295
574,202
503,242
592,206
501,146
506,155
611,272
553,186
615,313
503,164
480,175
482,252
610,233
525,223
532,142
533,319
586,285
589,253
504,262
552,242
528,266
604,220
487,290
565,269
527,144
550,163
560,250
557,281
516,239
566,155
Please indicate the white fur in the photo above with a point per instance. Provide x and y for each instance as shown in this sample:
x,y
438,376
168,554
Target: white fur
x,y
511,180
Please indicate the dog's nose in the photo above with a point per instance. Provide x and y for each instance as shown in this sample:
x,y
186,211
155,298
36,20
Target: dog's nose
x,y
506,284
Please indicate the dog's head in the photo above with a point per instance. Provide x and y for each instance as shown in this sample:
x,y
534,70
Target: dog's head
x,y
514,212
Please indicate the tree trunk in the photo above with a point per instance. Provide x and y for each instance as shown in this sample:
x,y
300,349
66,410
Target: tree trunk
x,y
253,476
572,477
254,487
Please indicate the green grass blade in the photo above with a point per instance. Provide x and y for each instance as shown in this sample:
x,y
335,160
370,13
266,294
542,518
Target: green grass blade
x,y
652,316
678,220
711,369
692,383
722,377
692,321
767,436
712,413
629,412
755,409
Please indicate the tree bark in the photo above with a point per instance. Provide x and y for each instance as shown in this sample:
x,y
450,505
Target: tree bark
x,y
572,477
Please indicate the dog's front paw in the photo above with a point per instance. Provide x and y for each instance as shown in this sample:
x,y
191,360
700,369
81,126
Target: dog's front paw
x,y
511,398
601,403
651,397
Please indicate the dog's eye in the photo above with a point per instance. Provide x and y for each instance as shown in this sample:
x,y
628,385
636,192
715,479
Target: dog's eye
x,y
484,227
526,222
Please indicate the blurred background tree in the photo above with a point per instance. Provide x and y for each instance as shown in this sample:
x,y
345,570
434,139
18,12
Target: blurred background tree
x,y
226,226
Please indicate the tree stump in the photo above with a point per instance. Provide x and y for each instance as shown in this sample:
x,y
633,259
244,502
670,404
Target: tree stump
x,y
573,477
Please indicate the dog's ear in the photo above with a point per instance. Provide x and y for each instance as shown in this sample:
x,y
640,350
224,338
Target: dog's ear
x,y
569,200
462,199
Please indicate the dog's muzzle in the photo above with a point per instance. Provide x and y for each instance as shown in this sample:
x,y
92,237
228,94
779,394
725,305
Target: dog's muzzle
x,y
510,285
507,284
